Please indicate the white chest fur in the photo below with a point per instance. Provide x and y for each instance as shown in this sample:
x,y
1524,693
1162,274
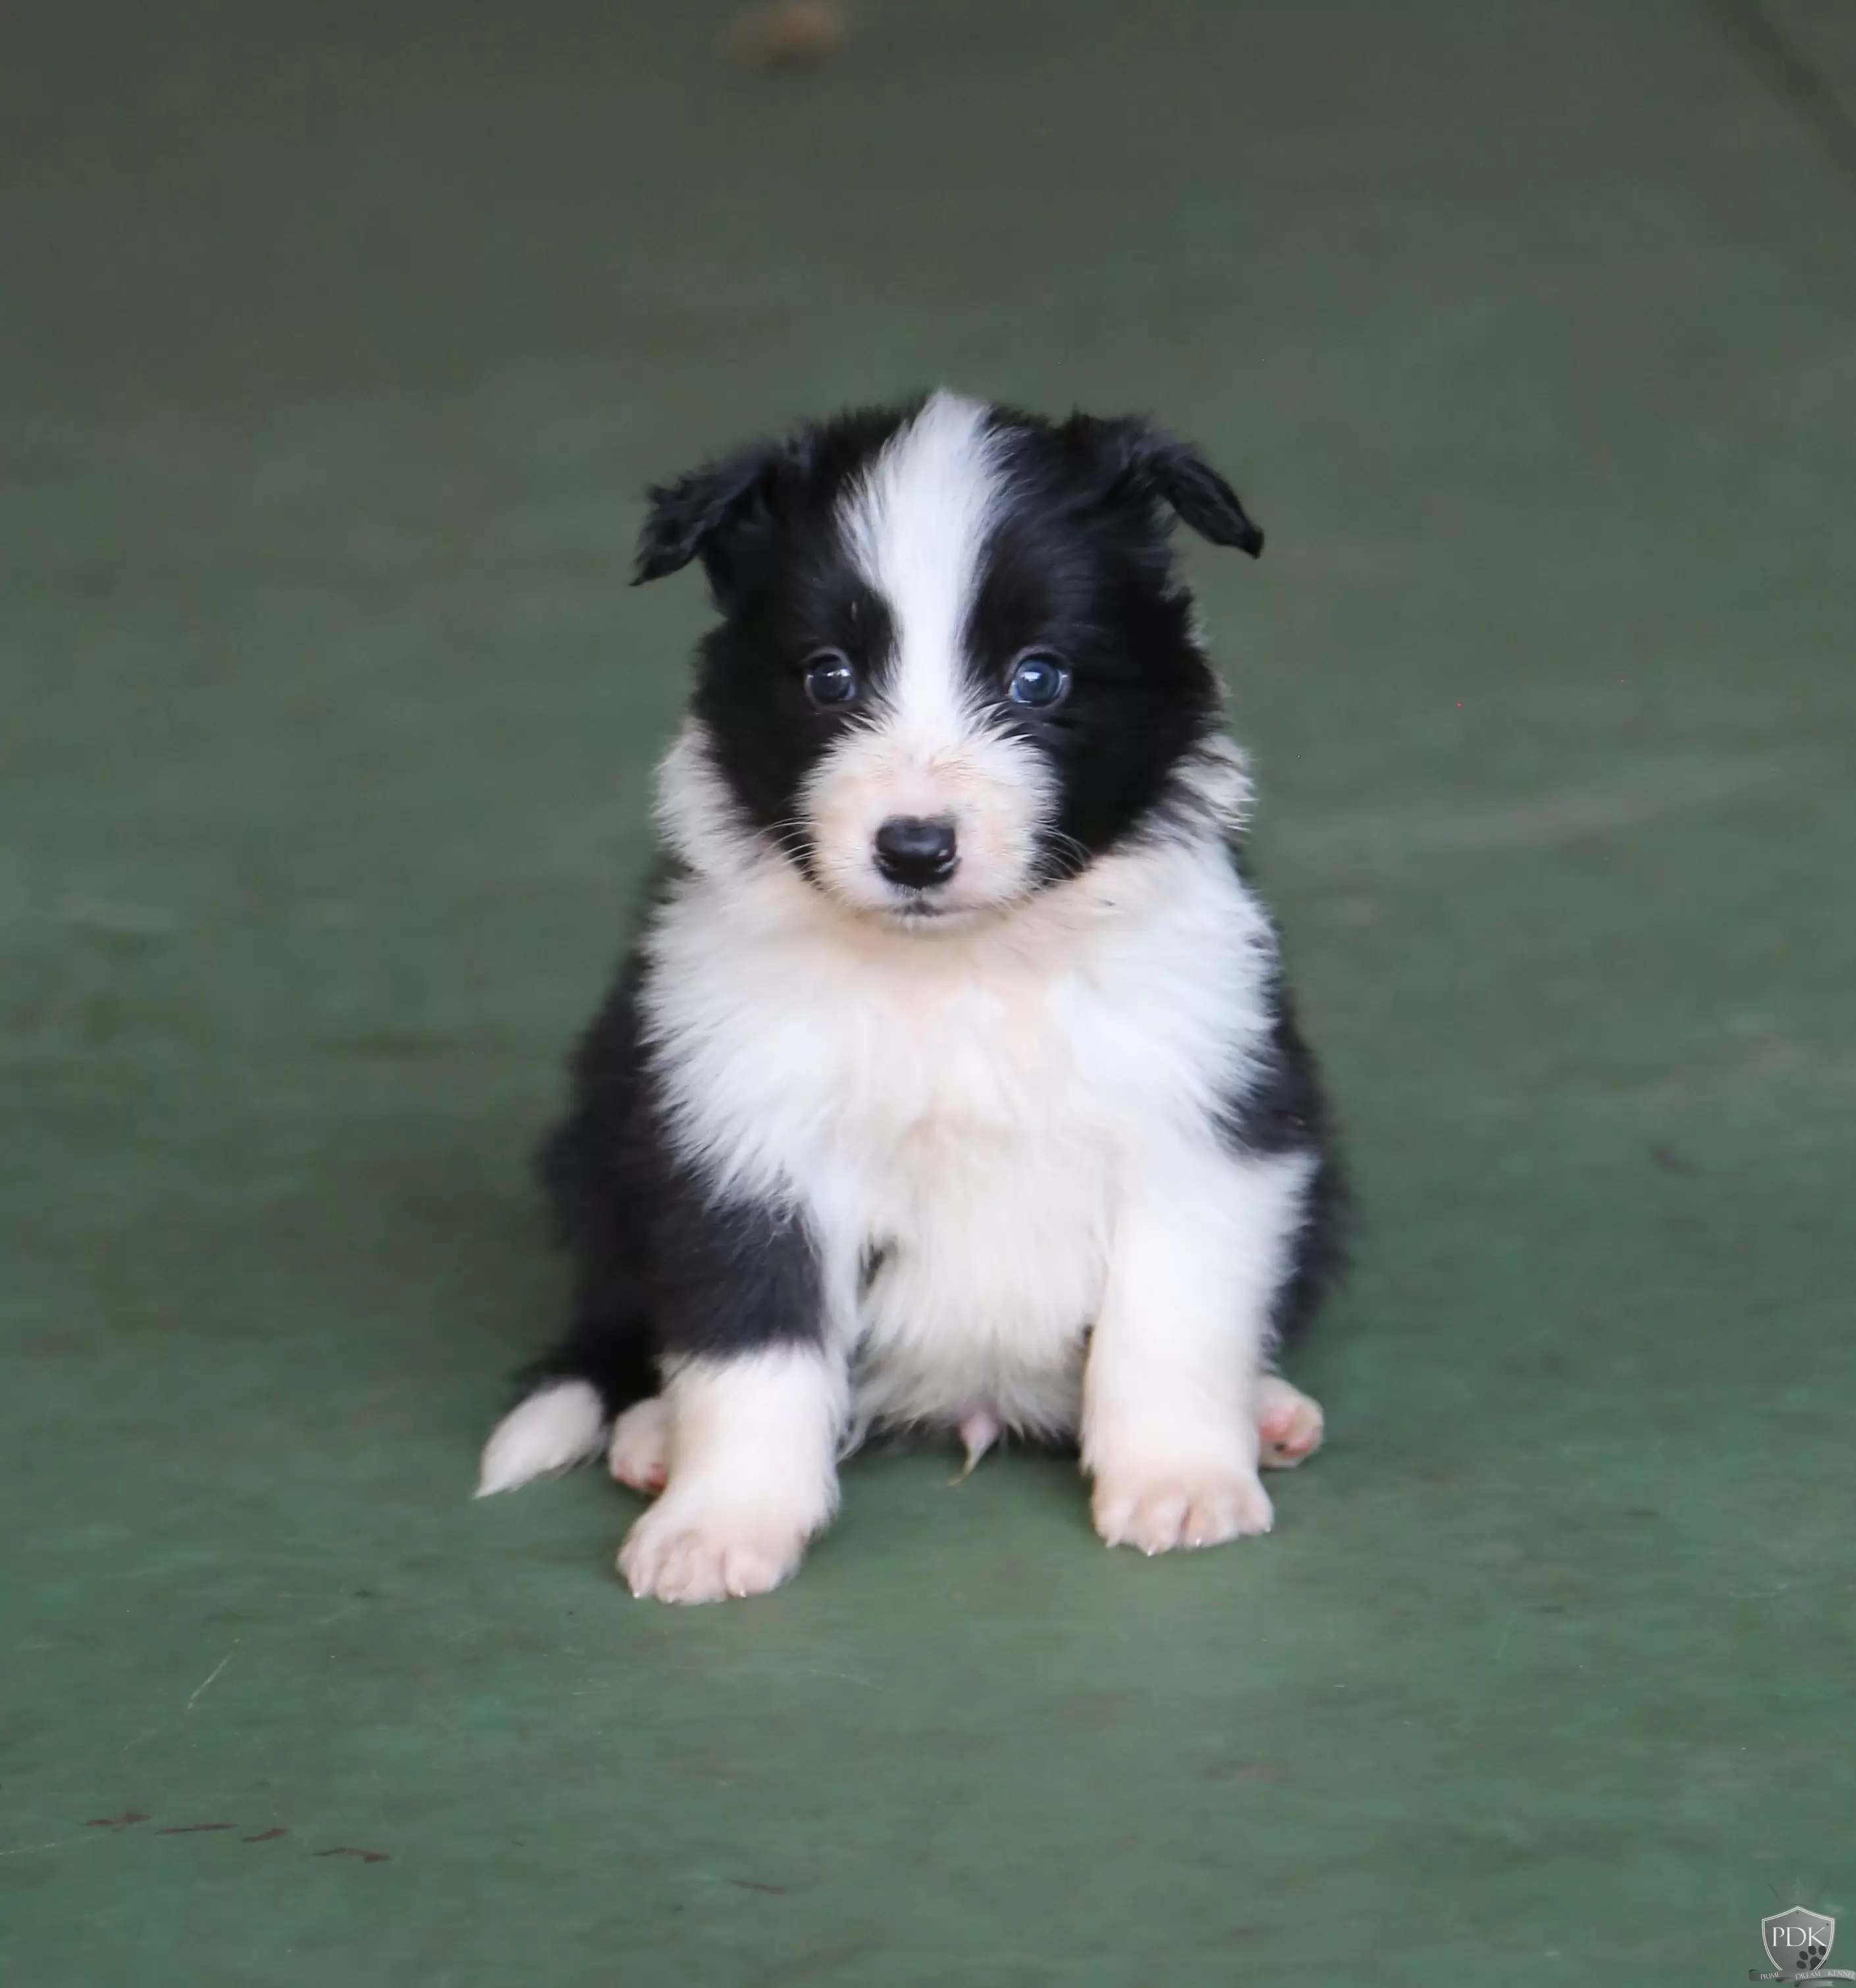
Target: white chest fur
x,y
956,1114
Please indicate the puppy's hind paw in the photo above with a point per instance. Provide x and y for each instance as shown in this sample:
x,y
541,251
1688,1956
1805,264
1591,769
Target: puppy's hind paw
x,y
1289,1424
639,1455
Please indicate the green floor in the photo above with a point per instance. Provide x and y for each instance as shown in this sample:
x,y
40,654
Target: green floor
x,y
336,344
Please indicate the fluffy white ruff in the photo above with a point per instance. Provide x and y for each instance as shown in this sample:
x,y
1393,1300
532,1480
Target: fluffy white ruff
x,y
991,1105
551,1431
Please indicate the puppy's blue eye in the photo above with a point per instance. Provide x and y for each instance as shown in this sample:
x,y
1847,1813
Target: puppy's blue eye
x,y
1038,681
830,679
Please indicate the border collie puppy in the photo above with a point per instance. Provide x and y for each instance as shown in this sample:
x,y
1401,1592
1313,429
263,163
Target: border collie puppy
x,y
951,1081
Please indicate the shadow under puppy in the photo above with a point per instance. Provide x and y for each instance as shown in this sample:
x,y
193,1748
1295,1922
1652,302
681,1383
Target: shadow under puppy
x,y
951,1080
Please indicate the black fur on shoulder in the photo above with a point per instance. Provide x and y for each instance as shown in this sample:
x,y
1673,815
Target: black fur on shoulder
x,y
1285,1110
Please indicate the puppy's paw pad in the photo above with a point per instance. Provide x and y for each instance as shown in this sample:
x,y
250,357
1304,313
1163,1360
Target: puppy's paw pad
x,y
683,1557
1289,1424
1160,1510
639,1453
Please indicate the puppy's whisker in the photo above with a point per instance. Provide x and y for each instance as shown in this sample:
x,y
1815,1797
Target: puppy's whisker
x,y
789,838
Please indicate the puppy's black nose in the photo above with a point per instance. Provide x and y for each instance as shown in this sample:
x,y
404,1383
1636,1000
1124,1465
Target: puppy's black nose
x,y
916,853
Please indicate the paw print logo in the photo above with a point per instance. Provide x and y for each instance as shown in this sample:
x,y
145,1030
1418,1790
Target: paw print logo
x,y
1798,1941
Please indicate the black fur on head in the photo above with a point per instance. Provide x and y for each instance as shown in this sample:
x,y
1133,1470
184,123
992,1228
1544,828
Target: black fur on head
x,y
1141,460
814,547
696,516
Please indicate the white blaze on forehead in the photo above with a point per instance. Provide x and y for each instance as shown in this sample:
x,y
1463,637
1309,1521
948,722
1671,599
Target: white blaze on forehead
x,y
916,527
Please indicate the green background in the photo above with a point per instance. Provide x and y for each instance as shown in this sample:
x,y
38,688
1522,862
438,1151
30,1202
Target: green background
x,y
337,343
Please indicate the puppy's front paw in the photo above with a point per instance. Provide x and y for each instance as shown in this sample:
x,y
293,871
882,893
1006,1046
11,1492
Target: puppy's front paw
x,y
681,1551
1159,1508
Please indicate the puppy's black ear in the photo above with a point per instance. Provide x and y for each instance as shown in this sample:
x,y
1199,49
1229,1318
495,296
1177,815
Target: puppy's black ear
x,y
1150,462
697,516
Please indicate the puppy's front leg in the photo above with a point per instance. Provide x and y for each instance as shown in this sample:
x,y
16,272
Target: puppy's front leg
x,y
1200,1248
753,1474
755,1395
